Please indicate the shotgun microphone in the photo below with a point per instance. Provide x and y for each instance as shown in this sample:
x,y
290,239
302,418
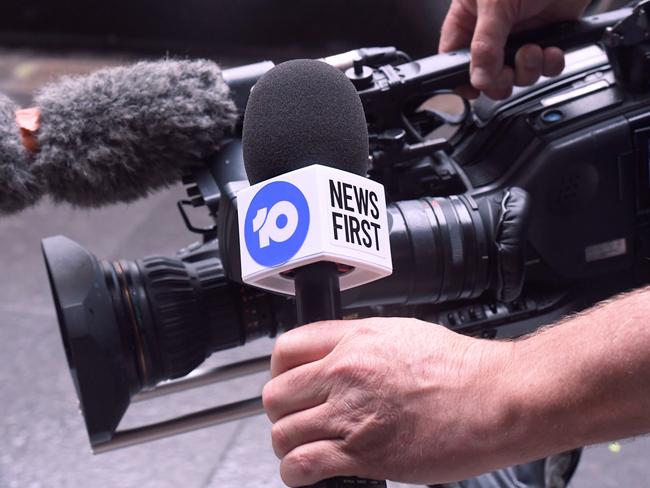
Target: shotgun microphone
x,y
113,136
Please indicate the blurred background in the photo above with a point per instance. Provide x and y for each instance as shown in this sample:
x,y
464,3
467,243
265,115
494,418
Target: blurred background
x,y
43,442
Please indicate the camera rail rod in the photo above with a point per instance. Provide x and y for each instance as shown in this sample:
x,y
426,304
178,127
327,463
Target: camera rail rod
x,y
197,420
202,376
181,425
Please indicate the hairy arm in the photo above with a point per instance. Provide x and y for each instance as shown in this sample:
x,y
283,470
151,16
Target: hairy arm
x,y
404,400
586,380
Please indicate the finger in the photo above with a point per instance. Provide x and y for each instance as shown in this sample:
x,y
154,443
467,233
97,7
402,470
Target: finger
x,y
502,88
298,389
305,345
553,61
468,92
457,29
317,461
529,63
304,427
492,28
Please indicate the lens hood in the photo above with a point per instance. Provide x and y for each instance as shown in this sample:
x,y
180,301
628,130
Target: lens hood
x,y
91,335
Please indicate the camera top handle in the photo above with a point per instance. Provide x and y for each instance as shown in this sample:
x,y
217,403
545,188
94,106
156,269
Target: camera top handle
x,y
628,48
388,90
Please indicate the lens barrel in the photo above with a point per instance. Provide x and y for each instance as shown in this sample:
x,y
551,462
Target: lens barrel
x,y
166,310
128,325
443,250
448,249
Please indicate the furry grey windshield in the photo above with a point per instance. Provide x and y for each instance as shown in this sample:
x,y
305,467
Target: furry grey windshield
x,y
120,133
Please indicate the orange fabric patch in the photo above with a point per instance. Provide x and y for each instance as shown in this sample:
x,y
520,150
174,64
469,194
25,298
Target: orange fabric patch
x,y
29,121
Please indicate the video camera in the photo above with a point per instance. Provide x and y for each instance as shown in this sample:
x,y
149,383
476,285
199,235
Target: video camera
x,y
535,207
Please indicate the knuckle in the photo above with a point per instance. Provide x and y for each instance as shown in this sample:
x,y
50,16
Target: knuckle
x,y
497,7
364,329
347,368
280,440
281,347
485,51
492,4
270,399
526,79
298,466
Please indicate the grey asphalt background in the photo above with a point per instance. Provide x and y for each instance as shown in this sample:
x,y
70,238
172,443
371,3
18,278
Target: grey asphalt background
x,y
42,437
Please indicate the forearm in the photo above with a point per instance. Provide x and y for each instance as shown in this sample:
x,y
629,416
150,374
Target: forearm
x,y
586,380
404,400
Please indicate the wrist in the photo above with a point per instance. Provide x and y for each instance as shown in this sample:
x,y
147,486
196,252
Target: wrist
x,y
540,397
526,406
495,388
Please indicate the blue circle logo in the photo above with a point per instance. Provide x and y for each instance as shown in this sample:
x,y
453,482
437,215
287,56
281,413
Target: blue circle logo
x,y
276,224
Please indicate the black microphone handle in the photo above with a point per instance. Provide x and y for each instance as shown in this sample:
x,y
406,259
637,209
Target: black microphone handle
x,y
349,483
318,297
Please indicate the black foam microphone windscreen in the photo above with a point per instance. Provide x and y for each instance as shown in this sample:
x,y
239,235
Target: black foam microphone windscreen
x,y
300,113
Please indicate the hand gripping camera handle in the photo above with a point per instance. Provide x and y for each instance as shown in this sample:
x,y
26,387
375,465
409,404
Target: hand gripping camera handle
x,y
566,35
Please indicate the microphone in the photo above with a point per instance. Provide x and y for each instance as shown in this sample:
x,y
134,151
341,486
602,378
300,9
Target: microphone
x,y
121,133
312,224
115,135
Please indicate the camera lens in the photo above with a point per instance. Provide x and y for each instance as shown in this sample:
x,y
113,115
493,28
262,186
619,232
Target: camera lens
x,y
443,246
128,325
454,248
166,310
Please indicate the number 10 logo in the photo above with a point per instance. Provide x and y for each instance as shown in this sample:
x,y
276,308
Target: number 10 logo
x,y
277,223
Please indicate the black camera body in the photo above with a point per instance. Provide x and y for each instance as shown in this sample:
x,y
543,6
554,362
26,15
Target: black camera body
x,y
537,206
577,144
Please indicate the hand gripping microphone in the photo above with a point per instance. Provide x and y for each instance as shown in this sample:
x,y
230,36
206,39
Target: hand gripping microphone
x,y
311,224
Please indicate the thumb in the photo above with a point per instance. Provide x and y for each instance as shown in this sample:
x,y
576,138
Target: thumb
x,y
493,25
